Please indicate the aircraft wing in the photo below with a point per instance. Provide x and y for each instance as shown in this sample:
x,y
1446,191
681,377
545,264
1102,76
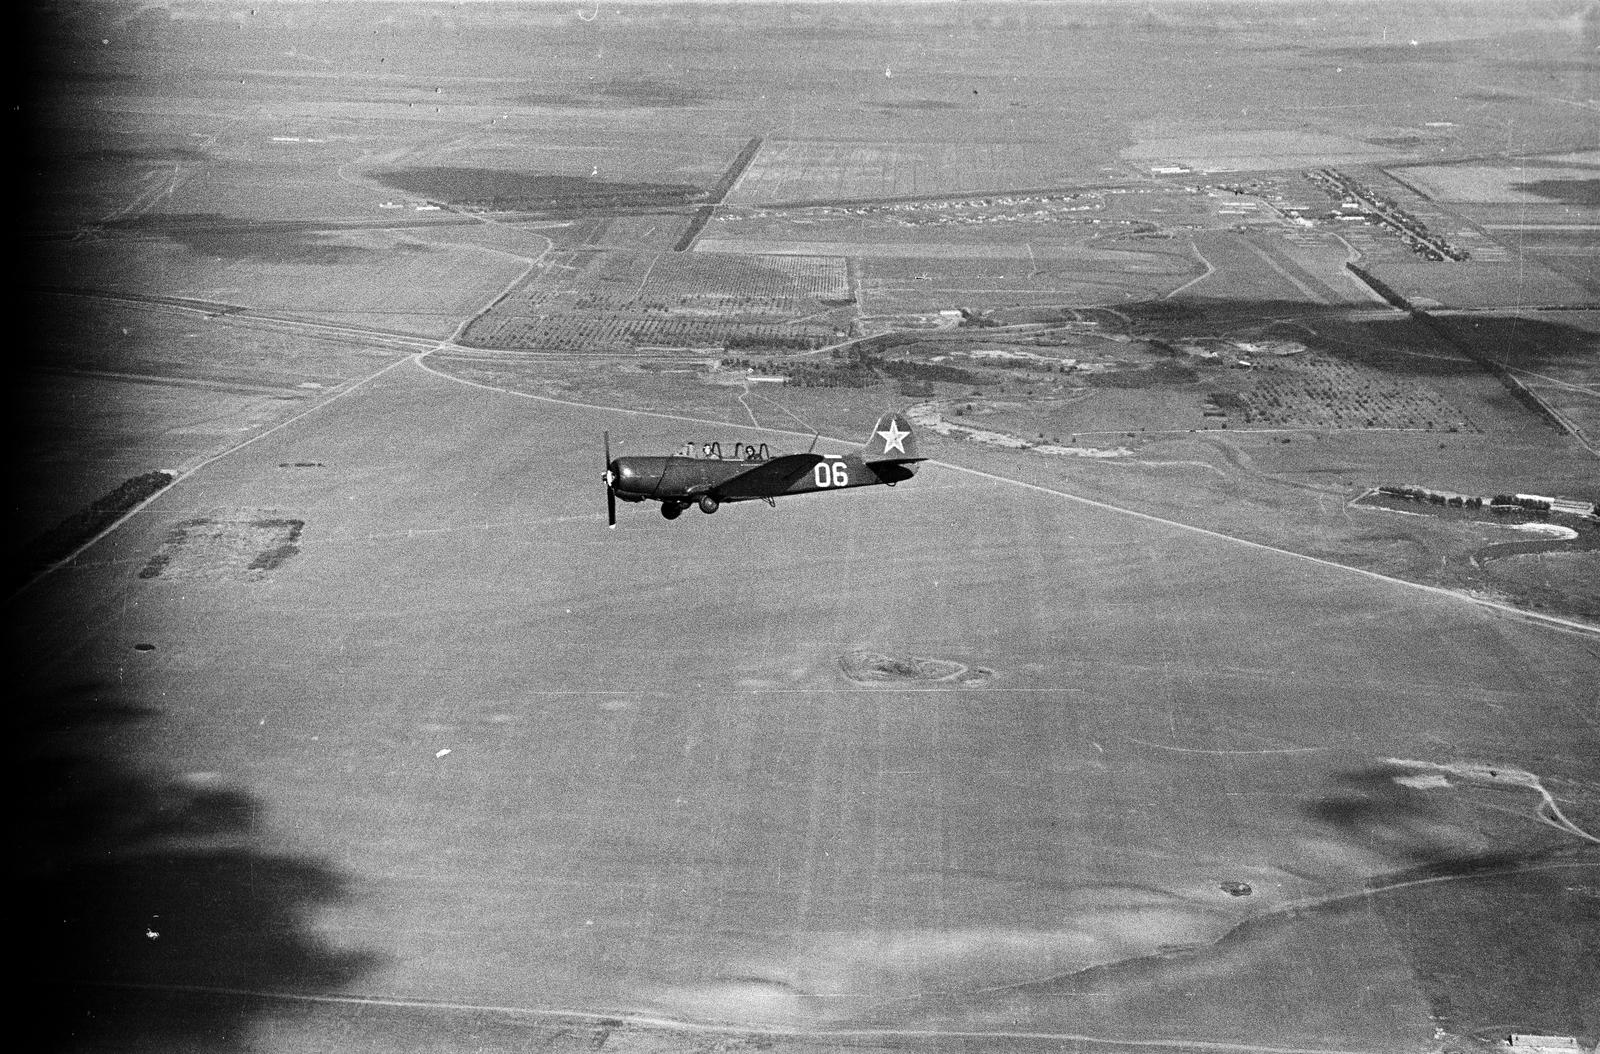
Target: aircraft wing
x,y
770,479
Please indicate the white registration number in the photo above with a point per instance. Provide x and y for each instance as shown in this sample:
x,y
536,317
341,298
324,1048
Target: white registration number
x,y
830,474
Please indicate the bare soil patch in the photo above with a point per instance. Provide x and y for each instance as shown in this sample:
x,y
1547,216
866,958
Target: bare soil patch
x,y
879,670
242,548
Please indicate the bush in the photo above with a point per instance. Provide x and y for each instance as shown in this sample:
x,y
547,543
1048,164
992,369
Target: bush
x,y
61,540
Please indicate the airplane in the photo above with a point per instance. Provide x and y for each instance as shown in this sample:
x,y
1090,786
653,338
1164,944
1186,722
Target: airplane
x,y
712,480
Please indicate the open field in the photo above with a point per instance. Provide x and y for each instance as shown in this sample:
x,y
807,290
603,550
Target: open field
x,y
1249,151
1133,721
788,171
1531,181
131,388
1523,284
893,284
773,900
381,279
1253,267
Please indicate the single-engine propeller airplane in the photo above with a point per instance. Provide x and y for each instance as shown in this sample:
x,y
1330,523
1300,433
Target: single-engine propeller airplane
x,y
712,480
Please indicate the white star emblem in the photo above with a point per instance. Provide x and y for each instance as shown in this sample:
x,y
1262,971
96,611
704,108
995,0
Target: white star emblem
x,y
894,439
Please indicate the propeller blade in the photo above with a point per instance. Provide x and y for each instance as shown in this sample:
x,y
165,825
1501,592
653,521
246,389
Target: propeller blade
x,y
611,495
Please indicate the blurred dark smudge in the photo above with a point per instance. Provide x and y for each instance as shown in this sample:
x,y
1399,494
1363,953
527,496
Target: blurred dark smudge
x,y
144,896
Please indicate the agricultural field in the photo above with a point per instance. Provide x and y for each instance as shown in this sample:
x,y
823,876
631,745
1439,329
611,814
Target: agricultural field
x,y
1317,391
586,300
1558,366
1226,150
1261,268
1107,247
1524,284
812,170
1529,180
581,334
283,189
1072,275
725,280
130,388
158,163
1574,253
385,280
527,243
89,335
1099,213
658,283
647,232
626,144
498,190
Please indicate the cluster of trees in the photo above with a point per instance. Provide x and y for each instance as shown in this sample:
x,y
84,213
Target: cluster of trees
x,y
1458,501
829,374
1464,501
59,541
860,367
780,341
1532,504
912,370
1163,372
1231,401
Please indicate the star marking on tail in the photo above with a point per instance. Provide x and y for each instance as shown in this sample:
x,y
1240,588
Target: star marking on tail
x,y
894,439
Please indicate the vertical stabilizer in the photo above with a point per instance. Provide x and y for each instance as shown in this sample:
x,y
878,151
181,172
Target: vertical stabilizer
x,y
891,440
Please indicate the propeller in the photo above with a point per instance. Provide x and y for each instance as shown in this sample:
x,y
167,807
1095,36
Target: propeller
x,y
611,495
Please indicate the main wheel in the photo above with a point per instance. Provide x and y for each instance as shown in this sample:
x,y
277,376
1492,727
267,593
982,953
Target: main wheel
x,y
671,509
708,504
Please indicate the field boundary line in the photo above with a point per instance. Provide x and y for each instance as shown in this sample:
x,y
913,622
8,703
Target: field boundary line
x,y
1553,621
668,1023
672,1024
1207,273
534,264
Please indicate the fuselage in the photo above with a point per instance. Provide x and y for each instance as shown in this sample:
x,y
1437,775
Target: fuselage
x,y
671,478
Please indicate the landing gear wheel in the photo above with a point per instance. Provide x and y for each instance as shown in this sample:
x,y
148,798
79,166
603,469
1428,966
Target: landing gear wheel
x,y
671,509
708,504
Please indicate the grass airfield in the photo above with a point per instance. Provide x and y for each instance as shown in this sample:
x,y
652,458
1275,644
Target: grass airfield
x,y
546,769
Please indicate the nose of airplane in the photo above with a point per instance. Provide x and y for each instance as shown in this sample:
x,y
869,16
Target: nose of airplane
x,y
619,476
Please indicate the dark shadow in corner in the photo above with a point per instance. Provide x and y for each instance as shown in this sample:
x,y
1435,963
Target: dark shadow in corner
x,y
144,897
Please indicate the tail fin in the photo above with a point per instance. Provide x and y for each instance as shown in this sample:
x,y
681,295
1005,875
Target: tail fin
x,y
891,440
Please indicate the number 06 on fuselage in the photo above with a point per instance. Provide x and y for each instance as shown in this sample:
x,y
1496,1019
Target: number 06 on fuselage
x,y
712,480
